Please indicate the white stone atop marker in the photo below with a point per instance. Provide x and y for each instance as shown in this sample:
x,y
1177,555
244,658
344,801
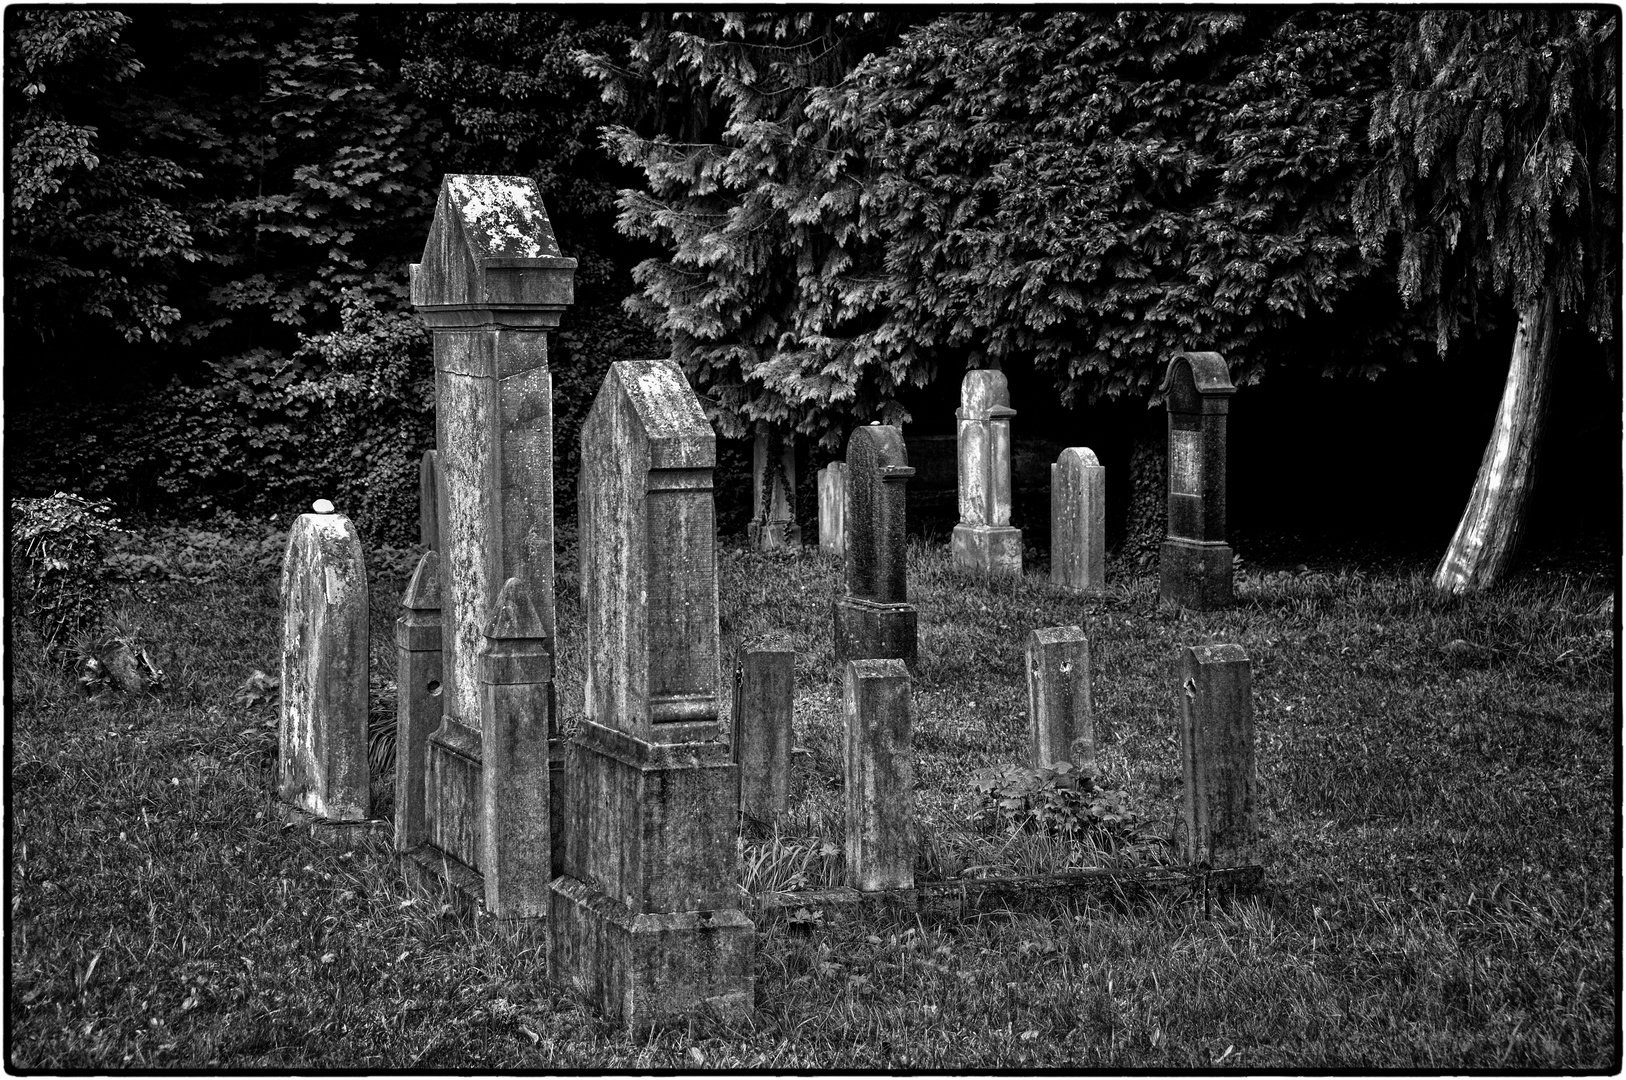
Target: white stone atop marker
x,y
322,506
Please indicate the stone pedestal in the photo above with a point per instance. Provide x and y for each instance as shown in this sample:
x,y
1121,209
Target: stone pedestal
x,y
645,917
1061,720
764,697
984,542
490,285
322,729
1195,568
1220,827
833,508
874,619
773,485
880,794
417,703
1078,522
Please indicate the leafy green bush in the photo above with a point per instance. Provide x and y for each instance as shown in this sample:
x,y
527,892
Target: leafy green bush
x,y
60,579
1055,799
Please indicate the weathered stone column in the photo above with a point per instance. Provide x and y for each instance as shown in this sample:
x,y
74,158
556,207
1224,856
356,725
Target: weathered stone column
x,y
490,286
833,507
984,541
1216,755
516,673
764,697
1195,568
646,918
773,485
417,703
1061,721
1078,522
880,792
322,730
875,620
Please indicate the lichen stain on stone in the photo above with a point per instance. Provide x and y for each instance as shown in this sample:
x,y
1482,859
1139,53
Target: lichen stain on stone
x,y
503,216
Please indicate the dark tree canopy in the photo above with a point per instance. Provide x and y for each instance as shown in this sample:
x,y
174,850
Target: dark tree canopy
x,y
1499,139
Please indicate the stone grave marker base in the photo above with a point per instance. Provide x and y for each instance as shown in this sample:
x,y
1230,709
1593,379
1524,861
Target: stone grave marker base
x,y
1195,573
341,834
866,630
987,550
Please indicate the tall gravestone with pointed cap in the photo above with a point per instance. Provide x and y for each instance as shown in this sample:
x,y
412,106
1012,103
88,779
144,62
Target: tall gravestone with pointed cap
x,y
1195,568
490,286
874,620
984,542
645,919
773,484
322,730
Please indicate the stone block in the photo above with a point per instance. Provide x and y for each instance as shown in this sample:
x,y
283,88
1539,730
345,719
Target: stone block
x,y
417,703
987,550
453,805
516,675
1195,574
833,508
1220,827
1061,720
880,797
650,968
1078,522
869,631
764,696
322,730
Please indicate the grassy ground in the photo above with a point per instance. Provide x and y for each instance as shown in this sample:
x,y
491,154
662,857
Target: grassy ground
x,y
1439,809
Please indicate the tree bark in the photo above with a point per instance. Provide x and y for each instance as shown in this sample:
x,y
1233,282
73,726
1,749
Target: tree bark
x,y
1491,526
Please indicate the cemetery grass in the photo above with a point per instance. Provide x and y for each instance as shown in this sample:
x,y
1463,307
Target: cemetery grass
x,y
1437,795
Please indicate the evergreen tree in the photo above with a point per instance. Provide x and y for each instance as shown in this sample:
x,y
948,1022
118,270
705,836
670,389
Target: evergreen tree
x,y
1498,143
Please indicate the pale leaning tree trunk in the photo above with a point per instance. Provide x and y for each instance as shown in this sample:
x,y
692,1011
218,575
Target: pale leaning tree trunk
x,y
1489,532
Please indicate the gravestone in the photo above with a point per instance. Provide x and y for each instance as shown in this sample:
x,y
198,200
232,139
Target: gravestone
x,y
984,542
880,796
1061,721
764,696
874,619
1195,565
833,508
1078,522
1217,756
773,484
645,919
417,704
429,501
322,728
490,285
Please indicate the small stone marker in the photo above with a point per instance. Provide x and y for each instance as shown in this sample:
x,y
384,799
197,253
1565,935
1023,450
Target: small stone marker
x,y
645,919
874,619
764,695
773,484
1061,721
1078,522
429,500
984,542
1216,755
417,703
1195,568
516,677
322,731
833,507
490,286
880,791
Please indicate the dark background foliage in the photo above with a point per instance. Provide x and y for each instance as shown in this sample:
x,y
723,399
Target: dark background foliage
x,y
826,217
